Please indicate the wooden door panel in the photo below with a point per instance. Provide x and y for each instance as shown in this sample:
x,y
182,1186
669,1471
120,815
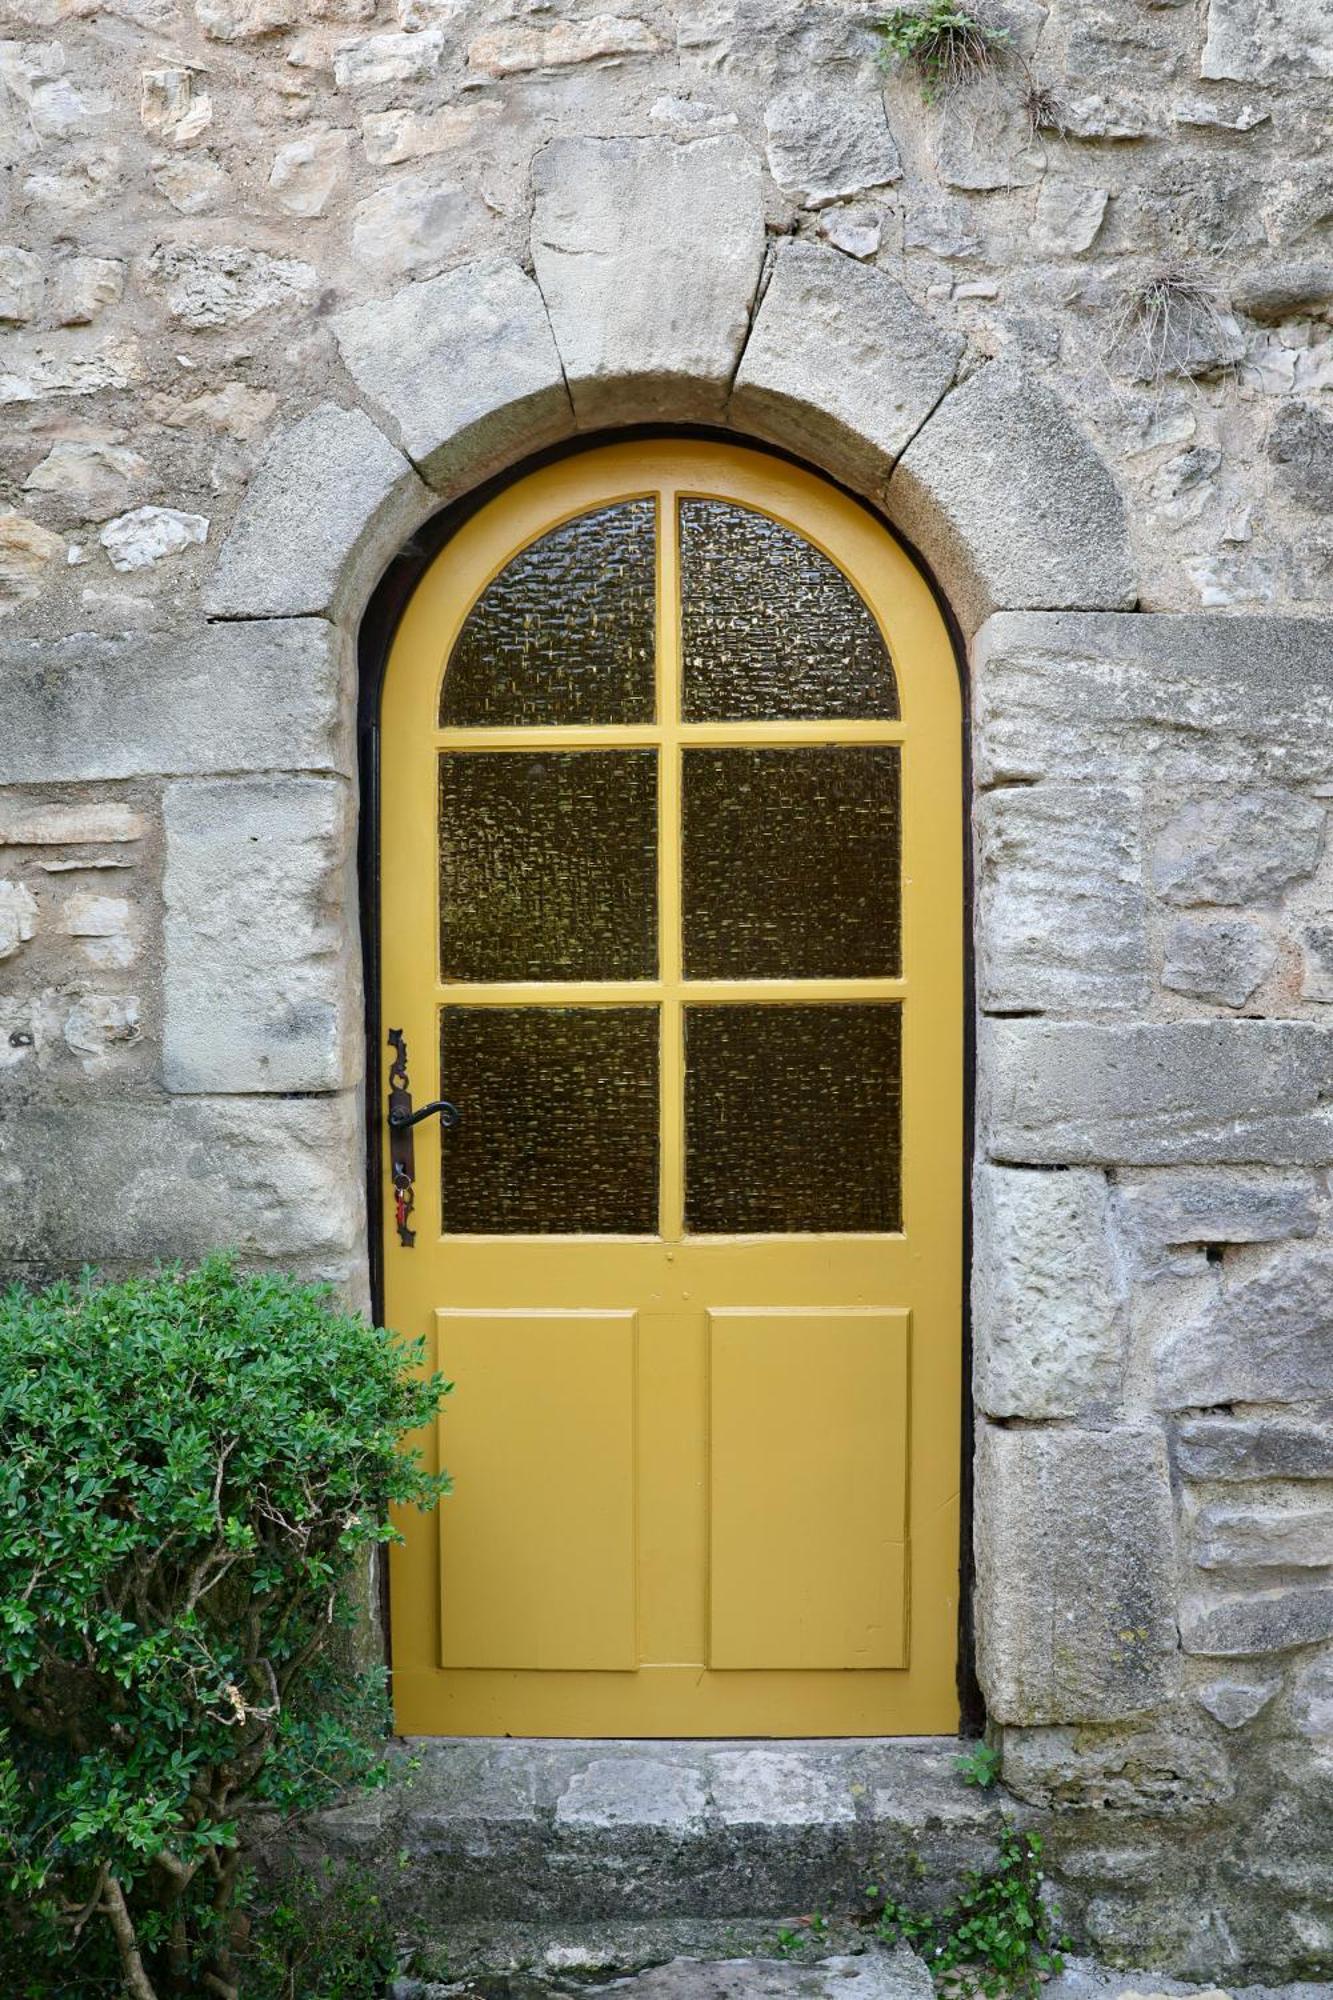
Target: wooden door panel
x,y
807,1489
537,1552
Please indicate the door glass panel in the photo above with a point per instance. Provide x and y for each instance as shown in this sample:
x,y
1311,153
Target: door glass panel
x,y
792,1119
791,863
565,632
558,1134
770,627
548,864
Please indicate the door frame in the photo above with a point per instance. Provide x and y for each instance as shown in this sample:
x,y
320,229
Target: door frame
x,y
375,637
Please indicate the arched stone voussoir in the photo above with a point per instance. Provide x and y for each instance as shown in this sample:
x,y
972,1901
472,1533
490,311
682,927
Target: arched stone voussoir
x,y
648,254
463,369
1010,505
332,502
842,366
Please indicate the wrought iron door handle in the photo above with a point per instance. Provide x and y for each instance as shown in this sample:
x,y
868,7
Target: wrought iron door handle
x,y
401,1118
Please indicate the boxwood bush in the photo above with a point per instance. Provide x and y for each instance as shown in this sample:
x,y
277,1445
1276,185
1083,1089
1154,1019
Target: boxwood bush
x,y
194,1466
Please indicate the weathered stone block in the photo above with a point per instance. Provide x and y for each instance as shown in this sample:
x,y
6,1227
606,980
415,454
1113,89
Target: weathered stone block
x,y
1312,1706
824,147
1266,1340
1009,503
1198,699
1075,1574
1234,1702
139,1181
613,1791
1245,1448
1047,1304
841,366
1161,1769
1248,39
620,228
1167,1218
1061,925
258,695
1222,959
330,505
1238,847
1264,1621
1163,1094
464,368
259,986
1264,1538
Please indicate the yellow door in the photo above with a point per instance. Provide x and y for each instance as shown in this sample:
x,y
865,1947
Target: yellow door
x,y
672,911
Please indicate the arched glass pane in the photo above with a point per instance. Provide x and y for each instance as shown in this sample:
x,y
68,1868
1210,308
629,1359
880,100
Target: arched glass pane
x,y
771,630
565,633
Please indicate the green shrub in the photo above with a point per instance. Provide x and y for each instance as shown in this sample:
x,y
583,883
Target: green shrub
x,y
322,1936
193,1465
945,44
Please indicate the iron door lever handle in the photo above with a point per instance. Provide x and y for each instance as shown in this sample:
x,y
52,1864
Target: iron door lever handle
x,y
401,1119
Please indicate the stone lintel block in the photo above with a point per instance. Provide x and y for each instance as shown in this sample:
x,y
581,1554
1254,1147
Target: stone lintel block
x,y
332,502
1062,1093
1047,1301
1184,696
255,695
1075,1582
1061,911
841,366
1268,1339
1236,1449
648,255
1260,1621
464,370
278,1178
259,986
1009,503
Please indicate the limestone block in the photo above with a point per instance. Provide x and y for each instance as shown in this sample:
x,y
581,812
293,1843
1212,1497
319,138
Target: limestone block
x,y
1047,1301
1075,1583
648,1792
1238,847
1211,1093
18,917
1317,961
88,915
1166,1218
841,365
376,59
463,368
306,171
20,284
146,535
1253,1448
100,1024
1156,1769
93,479
1312,1705
281,1179
330,505
648,255
1231,1538
825,147
24,825
205,286
1234,1702
871,1975
1261,1621
1222,959
1268,1339
766,1787
261,695
1009,503
1196,699
418,224
259,990
1061,923
1300,448
1069,215
1247,39
509,51
67,363
28,553
392,136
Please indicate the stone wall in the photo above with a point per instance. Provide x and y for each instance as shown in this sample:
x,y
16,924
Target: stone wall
x,y
280,277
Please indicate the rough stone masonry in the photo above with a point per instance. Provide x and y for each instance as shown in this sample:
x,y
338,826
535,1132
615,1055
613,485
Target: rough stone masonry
x,y
278,277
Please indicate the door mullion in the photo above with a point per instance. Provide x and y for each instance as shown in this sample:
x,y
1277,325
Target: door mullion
x,y
669,866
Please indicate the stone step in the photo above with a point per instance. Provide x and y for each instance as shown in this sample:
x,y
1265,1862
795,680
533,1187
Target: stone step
x,y
867,1974
625,1832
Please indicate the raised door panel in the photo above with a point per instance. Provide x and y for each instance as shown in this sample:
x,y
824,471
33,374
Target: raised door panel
x,y
538,1536
807,1489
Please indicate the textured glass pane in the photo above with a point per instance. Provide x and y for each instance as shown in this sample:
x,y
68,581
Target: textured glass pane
x,y
559,1127
791,863
792,1119
770,628
548,864
565,632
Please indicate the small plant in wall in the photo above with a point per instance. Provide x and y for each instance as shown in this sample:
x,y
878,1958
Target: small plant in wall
x,y
979,1765
194,1468
944,45
998,1938
1175,322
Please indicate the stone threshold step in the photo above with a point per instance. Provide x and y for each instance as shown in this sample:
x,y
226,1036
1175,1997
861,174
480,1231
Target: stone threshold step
x,y
502,1957
872,1974
613,1831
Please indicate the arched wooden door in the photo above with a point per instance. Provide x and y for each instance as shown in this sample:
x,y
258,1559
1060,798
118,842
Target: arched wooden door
x,y
672,911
